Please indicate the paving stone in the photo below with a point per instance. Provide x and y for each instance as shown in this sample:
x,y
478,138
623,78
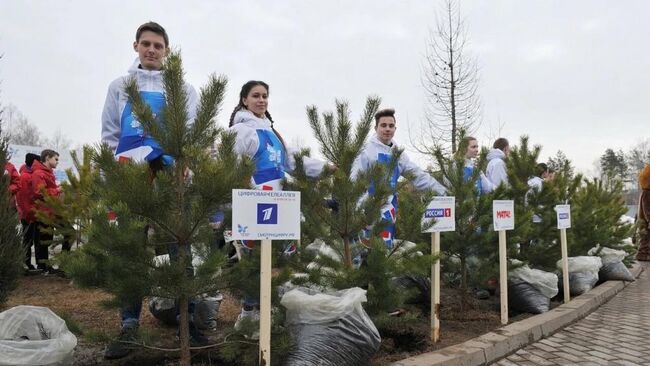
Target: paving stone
x,y
617,333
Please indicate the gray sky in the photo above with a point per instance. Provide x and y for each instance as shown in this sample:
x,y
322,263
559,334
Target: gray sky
x,y
570,74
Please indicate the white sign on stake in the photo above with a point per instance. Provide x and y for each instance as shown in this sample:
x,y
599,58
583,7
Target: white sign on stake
x,y
503,215
271,215
563,216
443,210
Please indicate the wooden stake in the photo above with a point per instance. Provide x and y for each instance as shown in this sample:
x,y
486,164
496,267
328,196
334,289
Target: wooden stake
x,y
503,277
565,266
435,294
265,304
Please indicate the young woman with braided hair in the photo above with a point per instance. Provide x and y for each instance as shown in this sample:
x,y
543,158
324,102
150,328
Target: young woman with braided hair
x,y
257,138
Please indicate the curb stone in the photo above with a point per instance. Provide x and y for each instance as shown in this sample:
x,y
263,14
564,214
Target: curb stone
x,y
503,341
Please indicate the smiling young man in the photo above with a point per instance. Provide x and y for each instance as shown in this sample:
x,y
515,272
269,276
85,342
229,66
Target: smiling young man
x,y
120,129
379,150
125,135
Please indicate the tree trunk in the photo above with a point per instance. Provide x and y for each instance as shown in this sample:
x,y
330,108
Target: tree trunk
x,y
347,252
463,283
184,332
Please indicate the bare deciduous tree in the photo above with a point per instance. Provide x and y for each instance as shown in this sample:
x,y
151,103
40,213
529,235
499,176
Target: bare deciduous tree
x,y
57,142
19,129
450,80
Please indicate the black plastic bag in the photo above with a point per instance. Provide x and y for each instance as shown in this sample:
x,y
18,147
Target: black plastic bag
x,y
525,298
579,282
616,271
329,329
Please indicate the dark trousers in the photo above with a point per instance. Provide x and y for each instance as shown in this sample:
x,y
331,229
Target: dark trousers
x,y
42,241
29,237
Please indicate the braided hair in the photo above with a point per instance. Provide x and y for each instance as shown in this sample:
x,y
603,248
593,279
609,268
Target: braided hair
x,y
245,90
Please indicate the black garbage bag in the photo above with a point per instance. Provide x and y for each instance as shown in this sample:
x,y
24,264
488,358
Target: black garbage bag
x,y
616,271
329,329
525,298
579,282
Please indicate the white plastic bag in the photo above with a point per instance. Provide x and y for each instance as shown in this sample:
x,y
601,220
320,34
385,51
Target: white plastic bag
x,y
33,335
585,264
608,255
544,282
306,306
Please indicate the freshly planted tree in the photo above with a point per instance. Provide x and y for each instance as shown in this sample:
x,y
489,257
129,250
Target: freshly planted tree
x,y
166,207
11,249
351,211
470,252
596,211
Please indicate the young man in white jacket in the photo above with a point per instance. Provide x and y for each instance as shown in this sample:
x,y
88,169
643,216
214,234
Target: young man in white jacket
x,y
125,135
378,150
496,169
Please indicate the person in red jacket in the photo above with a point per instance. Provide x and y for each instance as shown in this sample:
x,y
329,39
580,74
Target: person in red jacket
x,y
14,184
44,184
25,204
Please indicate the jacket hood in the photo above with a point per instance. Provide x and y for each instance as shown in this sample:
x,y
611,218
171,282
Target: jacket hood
x,y
24,168
374,139
247,117
135,69
496,154
37,165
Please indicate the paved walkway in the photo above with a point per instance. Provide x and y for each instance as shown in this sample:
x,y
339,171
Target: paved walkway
x,y
618,333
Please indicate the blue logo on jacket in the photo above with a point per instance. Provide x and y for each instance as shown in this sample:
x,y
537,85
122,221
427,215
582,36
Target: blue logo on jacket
x,y
132,135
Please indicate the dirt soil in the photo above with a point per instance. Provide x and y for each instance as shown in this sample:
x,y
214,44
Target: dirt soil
x,y
95,326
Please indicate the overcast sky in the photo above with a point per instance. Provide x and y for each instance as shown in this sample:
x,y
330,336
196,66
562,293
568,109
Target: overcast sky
x,y
570,74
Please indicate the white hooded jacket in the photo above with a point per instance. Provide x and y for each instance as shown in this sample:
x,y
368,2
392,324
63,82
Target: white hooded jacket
x,y
496,168
120,128
271,159
371,154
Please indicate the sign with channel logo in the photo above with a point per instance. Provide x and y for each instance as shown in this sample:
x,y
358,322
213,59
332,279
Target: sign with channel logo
x,y
503,214
443,211
563,216
271,215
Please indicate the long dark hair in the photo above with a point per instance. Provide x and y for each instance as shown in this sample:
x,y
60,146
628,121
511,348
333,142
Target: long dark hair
x,y
245,90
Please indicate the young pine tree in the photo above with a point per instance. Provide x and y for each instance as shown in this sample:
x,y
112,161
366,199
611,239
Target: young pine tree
x,y
73,209
596,211
11,250
163,208
355,210
470,252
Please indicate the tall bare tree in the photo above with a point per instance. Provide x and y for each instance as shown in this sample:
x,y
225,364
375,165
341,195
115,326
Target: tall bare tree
x,y
19,130
450,80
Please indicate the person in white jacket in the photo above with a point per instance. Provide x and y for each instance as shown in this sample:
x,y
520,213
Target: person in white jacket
x,y
483,184
125,135
379,150
257,139
120,128
536,183
496,169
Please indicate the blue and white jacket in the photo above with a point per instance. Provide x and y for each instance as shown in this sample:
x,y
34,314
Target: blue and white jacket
x,y
256,139
376,151
121,130
483,184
